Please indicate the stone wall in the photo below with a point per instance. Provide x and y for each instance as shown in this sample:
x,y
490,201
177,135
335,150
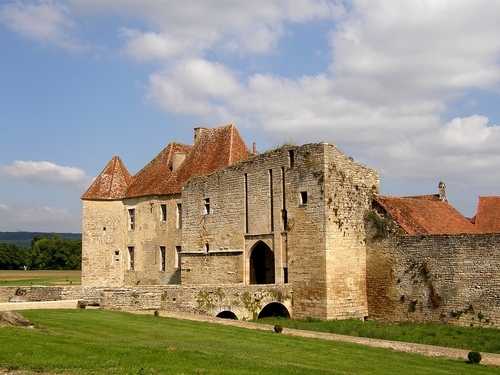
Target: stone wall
x,y
452,279
49,293
246,302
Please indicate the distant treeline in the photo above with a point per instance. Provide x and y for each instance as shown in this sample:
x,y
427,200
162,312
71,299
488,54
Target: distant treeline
x,y
44,252
23,239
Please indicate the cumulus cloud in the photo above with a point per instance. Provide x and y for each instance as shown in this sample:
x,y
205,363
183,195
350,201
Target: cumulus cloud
x,y
45,21
38,219
464,149
46,172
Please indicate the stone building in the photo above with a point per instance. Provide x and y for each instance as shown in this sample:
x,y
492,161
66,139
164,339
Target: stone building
x,y
216,229
215,214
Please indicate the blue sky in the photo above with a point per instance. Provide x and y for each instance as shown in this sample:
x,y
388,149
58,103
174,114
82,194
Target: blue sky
x,y
410,88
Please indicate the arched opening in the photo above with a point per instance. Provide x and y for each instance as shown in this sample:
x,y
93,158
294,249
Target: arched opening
x,y
227,315
262,264
274,309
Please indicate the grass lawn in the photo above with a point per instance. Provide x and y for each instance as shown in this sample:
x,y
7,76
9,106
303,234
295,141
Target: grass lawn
x,y
43,277
111,342
468,338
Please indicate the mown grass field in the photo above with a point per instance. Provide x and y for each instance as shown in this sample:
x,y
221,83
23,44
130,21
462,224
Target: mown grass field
x,y
43,277
111,342
468,338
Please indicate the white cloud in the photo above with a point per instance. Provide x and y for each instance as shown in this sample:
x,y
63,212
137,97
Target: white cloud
x,y
46,172
193,87
465,150
38,219
45,21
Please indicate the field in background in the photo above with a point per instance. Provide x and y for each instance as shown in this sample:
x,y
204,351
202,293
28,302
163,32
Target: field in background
x,y
111,342
42,277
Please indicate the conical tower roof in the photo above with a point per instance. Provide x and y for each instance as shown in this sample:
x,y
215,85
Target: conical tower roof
x,y
111,183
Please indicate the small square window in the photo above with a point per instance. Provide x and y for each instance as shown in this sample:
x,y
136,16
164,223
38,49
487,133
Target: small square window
x,y
303,197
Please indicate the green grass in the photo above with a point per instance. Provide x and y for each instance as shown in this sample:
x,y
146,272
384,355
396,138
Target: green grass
x,y
111,342
42,277
468,338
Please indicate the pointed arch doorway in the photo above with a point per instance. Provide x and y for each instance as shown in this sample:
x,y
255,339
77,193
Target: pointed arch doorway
x,y
262,264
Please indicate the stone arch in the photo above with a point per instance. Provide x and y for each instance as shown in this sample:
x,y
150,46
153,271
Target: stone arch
x,y
262,264
226,314
274,309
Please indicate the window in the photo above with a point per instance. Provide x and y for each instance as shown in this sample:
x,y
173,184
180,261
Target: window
x,y
131,216
178,250
303,197
291,158
131,258
163,212
162,258
179,215
206,206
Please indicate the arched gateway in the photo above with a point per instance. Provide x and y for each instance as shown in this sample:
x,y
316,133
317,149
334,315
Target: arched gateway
x,y
262,264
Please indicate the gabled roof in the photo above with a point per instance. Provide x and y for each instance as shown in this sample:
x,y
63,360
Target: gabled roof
x,y
487,219
425,215
214,149
111,182
177,163
150,179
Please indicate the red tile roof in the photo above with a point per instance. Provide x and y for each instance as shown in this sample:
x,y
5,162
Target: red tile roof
x,y
425,215
148,180
487,219
111,183
214,149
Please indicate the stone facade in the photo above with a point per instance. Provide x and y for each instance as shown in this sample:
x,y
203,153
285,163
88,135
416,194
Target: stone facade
x,y
292,215
288,228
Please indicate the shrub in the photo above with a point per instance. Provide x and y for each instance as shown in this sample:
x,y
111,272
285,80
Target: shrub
x,y
82,304
278,328
474,357
156,313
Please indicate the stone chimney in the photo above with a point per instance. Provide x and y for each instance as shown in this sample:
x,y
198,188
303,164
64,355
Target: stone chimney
x,y
197,133
177,160
254,148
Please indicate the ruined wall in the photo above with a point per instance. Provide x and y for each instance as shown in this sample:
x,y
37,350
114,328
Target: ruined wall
x,y
450,279
103,233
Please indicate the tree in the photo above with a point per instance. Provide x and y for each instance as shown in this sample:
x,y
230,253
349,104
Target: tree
x,y
55,253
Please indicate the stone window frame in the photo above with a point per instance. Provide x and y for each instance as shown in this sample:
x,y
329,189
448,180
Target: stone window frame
x,y
132,218
163,212
131,257
163,258
303,198
206,206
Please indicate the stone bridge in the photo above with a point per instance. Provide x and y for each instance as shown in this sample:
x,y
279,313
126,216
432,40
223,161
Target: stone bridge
x,y
242,302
